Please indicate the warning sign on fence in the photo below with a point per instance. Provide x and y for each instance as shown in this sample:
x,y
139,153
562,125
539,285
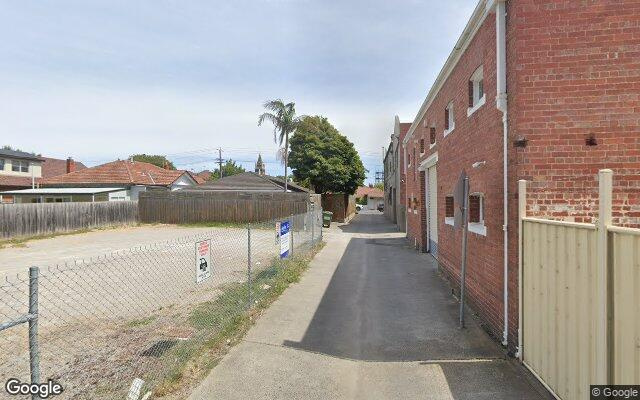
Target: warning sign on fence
x,y
203,260
285,240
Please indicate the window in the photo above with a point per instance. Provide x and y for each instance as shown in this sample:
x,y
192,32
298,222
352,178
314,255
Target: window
x,y
408,160
409,203
20,166
448,206
421,146
432,135
448,210
1,164
476,91
415,163
449,119
476,214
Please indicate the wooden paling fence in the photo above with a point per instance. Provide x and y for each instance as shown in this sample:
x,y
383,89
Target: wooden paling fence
x,y
46,218
197,206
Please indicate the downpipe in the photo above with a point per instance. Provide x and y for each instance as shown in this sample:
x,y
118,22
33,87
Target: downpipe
x,y
501,104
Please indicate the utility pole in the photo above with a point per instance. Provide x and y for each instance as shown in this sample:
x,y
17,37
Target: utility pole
x,y
220,160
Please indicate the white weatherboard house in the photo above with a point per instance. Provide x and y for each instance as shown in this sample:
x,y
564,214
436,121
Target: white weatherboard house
x,y
114,181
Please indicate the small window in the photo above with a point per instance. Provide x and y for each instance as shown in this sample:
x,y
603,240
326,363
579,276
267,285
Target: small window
x,y
20,166
476,214
432,135
1,164
408,159
448,206
449,118
421,146
476,90
476,211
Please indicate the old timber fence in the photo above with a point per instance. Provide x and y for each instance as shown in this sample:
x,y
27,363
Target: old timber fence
x,y
186,207
46,218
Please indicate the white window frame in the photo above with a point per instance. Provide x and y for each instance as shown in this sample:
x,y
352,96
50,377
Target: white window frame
x,y
478,227
452,119
448,220
478,101
20,165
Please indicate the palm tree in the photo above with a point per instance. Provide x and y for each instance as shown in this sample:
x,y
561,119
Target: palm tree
x,y
285,122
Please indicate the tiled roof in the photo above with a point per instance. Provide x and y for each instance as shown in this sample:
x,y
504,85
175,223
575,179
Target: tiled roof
x,y
18,154
249,181
15,181
120,173
53,167
369,191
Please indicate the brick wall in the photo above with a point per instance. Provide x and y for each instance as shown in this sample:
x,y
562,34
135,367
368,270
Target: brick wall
x,y
576,75
475,138
573,73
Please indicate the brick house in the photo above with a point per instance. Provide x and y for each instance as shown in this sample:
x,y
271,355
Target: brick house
x,y
554,85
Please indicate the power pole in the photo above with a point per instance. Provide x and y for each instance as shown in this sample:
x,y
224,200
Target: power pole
x,y
220,160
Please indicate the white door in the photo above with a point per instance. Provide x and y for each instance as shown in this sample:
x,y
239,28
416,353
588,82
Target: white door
x,y
432,209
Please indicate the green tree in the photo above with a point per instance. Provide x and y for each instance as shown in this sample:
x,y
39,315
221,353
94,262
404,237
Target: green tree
x,y
285,122
229,168
379,185
324,159
157,160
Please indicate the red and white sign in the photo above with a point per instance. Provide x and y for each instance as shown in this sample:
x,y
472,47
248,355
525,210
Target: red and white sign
x,y
203,260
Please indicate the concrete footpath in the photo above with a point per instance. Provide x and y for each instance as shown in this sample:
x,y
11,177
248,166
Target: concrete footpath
x,y
371,319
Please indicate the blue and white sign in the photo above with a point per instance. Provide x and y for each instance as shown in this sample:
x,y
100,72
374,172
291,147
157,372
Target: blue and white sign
x,y
285,240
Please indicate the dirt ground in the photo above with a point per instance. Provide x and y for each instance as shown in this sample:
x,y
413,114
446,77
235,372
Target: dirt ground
x,y
107,297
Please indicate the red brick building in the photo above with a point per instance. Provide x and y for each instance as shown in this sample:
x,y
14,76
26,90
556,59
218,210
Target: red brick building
x,y
554,85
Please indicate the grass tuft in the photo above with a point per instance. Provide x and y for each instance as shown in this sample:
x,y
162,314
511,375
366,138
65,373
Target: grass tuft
x,y
223,322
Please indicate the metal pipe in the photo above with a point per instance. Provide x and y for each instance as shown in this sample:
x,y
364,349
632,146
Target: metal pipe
x,y
34,354
249,265
501,104
463,269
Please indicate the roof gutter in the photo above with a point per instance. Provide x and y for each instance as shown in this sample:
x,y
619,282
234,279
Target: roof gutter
x,y
479,14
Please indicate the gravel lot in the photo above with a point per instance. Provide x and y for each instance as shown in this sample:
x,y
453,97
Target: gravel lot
x,y
107,297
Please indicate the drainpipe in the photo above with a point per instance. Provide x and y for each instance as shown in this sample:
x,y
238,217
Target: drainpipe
x,y
501,104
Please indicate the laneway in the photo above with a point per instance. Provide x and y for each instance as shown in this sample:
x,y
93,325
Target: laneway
x,y
371,319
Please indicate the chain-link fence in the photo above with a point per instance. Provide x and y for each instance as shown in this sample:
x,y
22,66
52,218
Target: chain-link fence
x,y
129,324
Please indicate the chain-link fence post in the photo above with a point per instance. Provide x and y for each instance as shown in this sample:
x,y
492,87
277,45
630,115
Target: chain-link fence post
x,y
34,354
249,265
313,223
293,229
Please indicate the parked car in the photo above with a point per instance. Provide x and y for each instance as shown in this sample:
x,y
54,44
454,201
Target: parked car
x,y
381,207
358,207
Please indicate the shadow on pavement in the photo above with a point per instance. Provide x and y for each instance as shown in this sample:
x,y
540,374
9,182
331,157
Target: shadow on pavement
x,y
386,302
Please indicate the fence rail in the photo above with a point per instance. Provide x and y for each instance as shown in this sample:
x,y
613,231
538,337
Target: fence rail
x,y
142,315
46,218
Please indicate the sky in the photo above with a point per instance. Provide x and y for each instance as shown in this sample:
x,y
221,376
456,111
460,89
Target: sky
x,y
101,80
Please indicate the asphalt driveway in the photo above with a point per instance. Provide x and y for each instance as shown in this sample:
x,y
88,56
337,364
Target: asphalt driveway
x,y
371,319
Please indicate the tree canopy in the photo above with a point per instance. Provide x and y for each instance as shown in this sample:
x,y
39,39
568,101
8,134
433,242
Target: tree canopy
x,y
324,159
229,168
155,159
